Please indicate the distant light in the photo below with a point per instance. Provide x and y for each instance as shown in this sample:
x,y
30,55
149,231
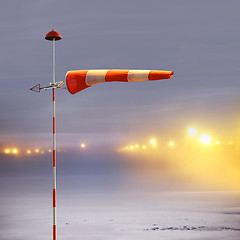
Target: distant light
x,y
131,147
144,147
37,150
49,150
28,151
217,142
192,131
83,145
137,146
154,144
7,151
126,147
15,151
205,139
152,141
171,143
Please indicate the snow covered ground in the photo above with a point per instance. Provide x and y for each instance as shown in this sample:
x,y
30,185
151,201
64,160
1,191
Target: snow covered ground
x,y
125,216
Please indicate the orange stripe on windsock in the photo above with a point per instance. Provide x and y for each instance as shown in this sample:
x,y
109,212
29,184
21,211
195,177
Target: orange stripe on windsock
x,y
54,232
117,75
75,80
158,75
54,198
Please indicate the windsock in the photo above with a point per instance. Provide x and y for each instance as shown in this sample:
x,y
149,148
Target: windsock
x,y
80,79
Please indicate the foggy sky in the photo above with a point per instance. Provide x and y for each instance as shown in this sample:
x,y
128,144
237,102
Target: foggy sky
x,y
198,40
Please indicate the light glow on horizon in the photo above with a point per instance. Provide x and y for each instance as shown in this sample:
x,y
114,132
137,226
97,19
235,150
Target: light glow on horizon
x,y
15,151
192,131
152,144
7,151
153,141
198,156
205,139
83,145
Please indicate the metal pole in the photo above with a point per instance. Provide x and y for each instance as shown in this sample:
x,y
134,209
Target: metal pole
x,y
54,155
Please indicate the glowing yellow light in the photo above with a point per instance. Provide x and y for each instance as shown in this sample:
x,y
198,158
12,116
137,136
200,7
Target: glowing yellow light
x,y
28,151
152,141
7,151
137,146
131,147
15,151
126,148
154,144
144,147
217,142
171,143
192,131
37,150
83,145
49,150
205,139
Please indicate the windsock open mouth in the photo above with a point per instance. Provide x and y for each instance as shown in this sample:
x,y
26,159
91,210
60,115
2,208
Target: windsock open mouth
x,y
79,80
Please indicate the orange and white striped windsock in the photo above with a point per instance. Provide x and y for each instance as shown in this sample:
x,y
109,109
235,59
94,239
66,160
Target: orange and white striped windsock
x,y
80,79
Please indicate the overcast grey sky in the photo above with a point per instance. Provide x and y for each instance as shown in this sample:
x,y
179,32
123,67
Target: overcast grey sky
x,y
198,40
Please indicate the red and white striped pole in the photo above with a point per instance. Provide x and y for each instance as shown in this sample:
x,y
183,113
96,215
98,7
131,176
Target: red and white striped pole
x,y
54,155
54,36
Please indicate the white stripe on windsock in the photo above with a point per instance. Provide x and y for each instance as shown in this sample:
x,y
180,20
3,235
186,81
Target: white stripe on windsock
x,y
95,76
138,75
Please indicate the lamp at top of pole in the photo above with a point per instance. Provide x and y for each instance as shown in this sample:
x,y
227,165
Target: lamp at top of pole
x,y
53,36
